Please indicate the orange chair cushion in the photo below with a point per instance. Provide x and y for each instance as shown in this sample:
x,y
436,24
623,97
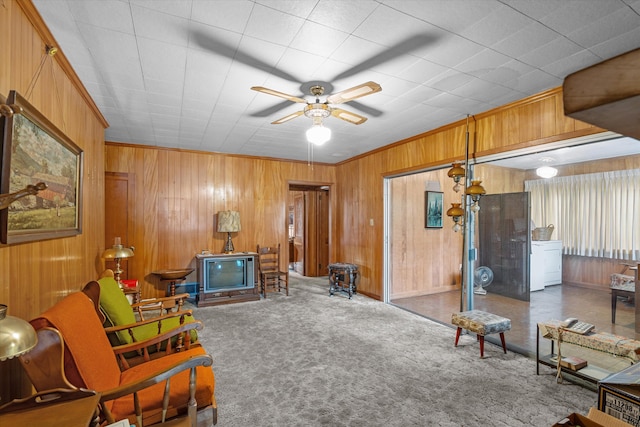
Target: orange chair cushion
x,y
151,398
76,319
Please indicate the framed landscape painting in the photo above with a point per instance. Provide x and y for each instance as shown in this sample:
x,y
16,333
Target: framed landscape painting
x,y
34,150
433,201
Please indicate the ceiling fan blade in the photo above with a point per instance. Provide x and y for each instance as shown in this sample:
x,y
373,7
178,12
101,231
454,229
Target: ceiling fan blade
x,y
287,118
280,94
355,92
348,116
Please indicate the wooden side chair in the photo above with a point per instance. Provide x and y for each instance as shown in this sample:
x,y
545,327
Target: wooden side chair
x,y
73,352
272,279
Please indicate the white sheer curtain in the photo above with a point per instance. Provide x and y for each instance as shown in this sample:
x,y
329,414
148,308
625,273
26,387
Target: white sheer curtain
x,y
594,215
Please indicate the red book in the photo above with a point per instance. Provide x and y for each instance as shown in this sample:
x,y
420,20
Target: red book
x,y
129,283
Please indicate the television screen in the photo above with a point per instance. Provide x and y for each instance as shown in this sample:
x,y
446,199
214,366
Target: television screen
x,y
227,274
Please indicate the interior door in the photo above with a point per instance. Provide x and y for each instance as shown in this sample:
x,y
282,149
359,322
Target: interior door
x,y
504,241
118,190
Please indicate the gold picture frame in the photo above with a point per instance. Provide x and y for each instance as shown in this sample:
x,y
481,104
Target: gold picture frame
x,y
34,150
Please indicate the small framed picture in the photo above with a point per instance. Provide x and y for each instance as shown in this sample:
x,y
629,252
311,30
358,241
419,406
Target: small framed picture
x,y
433,202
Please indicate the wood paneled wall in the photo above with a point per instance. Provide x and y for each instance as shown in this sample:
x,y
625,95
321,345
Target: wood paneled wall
x,y
33,276
426,261
178,194
533,121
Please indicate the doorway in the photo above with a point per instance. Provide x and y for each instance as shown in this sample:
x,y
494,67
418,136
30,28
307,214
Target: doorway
x,y
309,213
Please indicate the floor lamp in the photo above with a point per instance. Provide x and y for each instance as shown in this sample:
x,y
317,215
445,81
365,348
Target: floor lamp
x,y
462,215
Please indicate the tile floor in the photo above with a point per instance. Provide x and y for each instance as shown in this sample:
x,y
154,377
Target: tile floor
x,y
554,302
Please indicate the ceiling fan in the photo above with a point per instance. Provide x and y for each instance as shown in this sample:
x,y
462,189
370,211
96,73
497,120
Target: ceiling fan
x,y
320,110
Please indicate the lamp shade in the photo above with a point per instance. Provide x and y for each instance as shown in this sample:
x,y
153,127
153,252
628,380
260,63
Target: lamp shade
x,y
17,336
228,222
318,134
117,252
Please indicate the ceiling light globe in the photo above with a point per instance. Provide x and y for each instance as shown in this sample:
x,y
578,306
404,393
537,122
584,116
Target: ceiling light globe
x,y
318,134
546,172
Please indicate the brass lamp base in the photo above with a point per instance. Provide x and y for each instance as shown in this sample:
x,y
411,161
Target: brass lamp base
x,y
228,247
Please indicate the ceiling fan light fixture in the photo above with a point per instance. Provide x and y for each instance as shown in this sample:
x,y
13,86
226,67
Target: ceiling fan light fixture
x,y
317,110
546,172
318,134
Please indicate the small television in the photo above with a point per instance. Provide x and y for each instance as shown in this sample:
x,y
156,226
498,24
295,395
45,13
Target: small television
x,y
223,273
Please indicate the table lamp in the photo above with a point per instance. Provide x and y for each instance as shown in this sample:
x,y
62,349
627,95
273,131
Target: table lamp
x,y
228,222
116,253
17,336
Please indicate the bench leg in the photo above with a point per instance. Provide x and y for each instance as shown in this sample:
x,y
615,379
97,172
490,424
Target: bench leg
x,y
457,336
504,345
481,339
614,300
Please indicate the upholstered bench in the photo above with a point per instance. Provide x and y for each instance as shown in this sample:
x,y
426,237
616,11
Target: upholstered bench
x,y
481,323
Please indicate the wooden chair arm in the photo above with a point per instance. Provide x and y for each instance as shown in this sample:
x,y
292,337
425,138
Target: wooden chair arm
x,y
147,321
158,339
142,348
157,377
148,301
163,304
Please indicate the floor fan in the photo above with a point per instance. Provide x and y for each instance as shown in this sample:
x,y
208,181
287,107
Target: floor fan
x,y
482,277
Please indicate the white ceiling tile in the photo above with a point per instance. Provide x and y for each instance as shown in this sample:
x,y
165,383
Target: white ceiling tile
x,y
525,39
231,15
570,64
318,39
451,50
483,62
452,15
607,27
149,24
555,50
299,8
449,80
179,8
111,15
508,72
342,15
618,45
422,71
272,26
162,61
501,23
385,17
577,14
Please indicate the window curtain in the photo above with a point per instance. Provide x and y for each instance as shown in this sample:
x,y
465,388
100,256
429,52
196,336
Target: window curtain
x,y
595,215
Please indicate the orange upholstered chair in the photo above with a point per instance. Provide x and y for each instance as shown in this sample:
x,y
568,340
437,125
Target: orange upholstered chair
x,y
89,361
